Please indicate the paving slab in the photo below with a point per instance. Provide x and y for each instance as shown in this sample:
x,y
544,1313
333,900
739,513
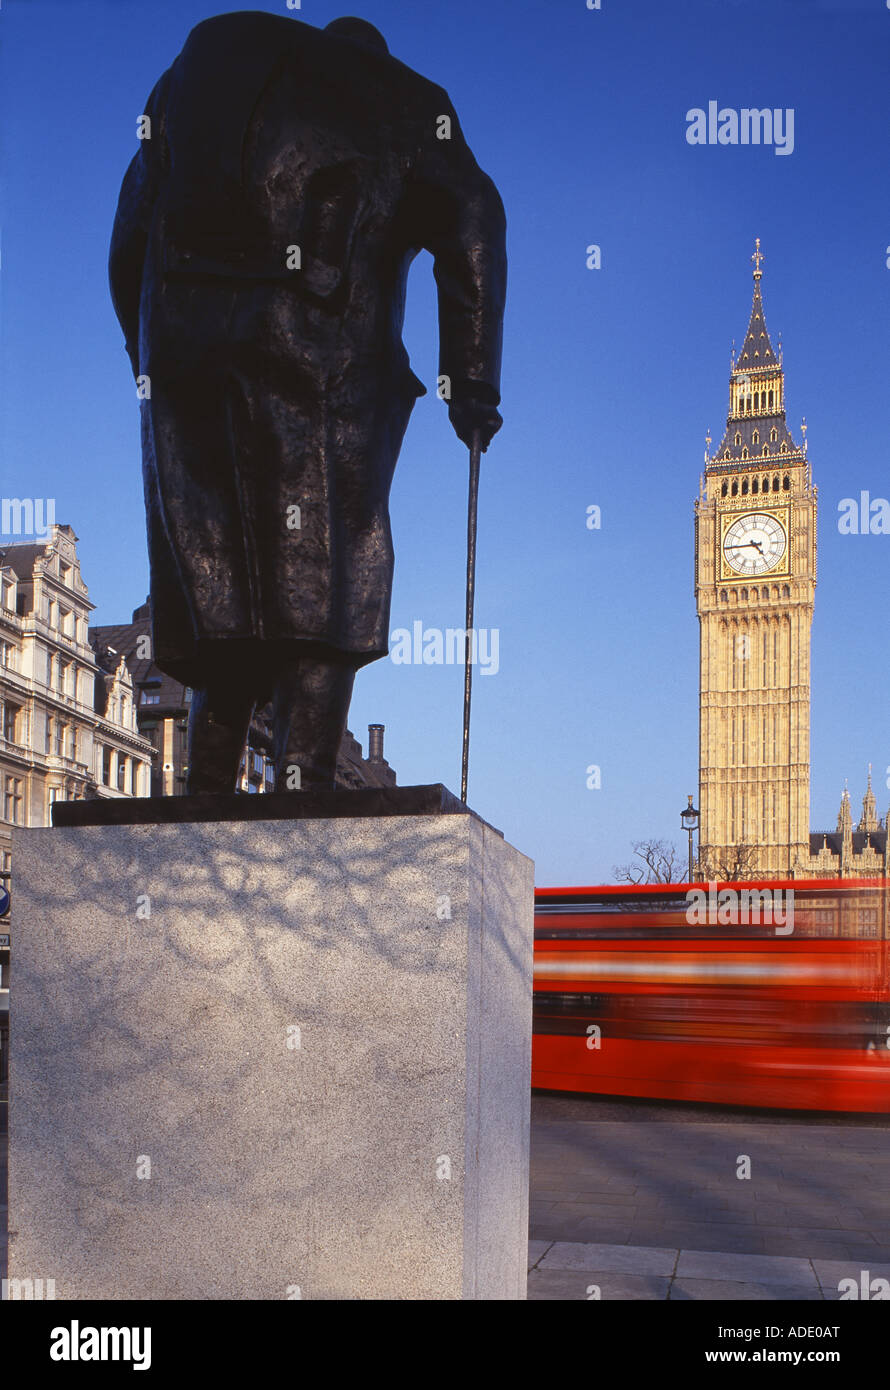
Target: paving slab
x,y
830,1272
745,1269
617,1259
726,1290
566,1285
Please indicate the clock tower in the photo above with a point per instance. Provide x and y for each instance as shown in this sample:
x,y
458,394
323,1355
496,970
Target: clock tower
x,y
755,578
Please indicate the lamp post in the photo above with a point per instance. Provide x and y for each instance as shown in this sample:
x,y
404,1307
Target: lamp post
x,y
689,822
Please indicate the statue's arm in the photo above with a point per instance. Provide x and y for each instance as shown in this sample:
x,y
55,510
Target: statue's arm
x,y
463,226
129,237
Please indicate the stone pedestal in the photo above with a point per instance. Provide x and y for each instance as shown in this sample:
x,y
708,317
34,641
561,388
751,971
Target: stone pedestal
x,y
271,1059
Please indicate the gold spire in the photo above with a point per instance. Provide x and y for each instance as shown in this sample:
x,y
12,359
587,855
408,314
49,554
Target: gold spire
x,y
757,258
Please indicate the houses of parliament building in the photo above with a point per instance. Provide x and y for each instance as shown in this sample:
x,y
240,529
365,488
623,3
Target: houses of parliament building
x,y
755,582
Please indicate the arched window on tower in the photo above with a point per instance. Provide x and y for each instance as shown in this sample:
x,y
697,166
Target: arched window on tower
x,y
734,490
724,488
770,400
786,483
755,485
776,483
744,487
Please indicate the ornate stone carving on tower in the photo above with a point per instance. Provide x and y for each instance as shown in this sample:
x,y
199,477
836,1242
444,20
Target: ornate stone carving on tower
x,y
755,578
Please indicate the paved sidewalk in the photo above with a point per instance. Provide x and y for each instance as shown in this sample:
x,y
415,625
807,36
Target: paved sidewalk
x,y
567,1270
816,1192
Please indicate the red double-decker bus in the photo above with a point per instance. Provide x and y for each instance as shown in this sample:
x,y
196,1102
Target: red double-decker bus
x,y
762,994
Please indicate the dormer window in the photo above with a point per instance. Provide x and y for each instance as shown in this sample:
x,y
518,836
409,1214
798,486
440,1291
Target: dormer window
x,y
784,448
755,438
774,434
738,438
745,452
766,451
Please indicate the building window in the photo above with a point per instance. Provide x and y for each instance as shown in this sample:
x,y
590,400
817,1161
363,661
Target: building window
x,y
8,656
106,767
763,758
187,695
755,485
724,488
11,723
149,698
786,483
59,746
65,573
134,777
121,773
755,438
13,800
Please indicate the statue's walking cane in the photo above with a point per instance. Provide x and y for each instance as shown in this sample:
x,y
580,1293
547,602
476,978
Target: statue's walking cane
x,y
475,455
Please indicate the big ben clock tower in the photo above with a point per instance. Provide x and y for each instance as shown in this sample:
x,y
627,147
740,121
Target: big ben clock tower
x,y
755,577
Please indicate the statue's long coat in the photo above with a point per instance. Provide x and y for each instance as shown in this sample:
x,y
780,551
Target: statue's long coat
x,y
274,388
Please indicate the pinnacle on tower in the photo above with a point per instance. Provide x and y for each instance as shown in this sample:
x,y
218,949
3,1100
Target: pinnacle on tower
x,y
869,819
757,350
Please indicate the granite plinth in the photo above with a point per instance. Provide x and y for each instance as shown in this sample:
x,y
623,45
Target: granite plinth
x,y
271,1059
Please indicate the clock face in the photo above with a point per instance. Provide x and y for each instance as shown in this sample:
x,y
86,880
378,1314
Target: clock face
x,y
755,543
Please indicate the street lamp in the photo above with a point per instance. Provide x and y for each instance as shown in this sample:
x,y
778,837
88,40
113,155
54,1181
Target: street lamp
x,y
689,822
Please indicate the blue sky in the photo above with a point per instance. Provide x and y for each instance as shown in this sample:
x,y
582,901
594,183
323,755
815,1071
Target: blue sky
x,y
611,377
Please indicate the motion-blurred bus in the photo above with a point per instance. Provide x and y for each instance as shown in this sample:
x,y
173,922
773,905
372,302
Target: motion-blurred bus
x,y
760,994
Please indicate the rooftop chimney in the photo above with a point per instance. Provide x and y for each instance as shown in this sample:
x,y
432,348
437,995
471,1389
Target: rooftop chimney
x,y
375,743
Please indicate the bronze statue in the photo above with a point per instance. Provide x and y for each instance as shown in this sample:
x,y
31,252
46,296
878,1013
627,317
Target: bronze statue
x,y
259,258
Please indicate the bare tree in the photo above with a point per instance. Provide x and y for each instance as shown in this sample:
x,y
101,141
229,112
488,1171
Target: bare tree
x,y
657,863
731,864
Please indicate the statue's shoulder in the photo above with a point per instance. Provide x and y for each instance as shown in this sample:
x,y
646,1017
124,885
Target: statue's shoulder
x,y
251,25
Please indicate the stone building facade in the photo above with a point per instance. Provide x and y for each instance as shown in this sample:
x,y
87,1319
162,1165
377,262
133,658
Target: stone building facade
x,y
68,726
